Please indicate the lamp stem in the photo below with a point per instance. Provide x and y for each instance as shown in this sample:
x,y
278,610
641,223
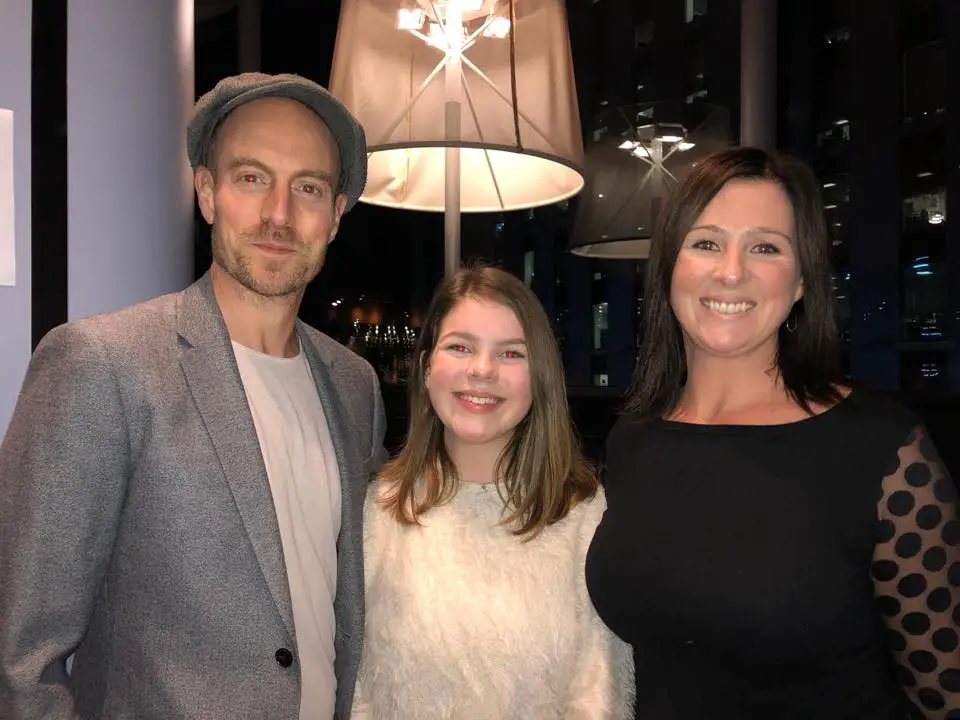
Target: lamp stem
x,y
451,167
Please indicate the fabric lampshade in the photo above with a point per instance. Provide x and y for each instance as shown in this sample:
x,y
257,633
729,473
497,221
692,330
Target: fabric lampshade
x,y
491,78
637,155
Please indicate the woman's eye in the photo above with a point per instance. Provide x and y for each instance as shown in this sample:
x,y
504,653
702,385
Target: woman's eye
x,y
767,249
703,245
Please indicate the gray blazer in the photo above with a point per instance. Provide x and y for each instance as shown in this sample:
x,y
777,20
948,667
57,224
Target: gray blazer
x,y
137,527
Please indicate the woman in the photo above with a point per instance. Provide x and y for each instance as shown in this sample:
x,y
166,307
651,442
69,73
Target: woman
x,y
475,534
792,543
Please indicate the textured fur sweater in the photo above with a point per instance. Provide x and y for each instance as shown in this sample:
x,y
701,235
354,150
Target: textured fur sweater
x,y
463,620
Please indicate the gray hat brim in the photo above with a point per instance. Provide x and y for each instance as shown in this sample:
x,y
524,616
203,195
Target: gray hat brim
x,y
233,92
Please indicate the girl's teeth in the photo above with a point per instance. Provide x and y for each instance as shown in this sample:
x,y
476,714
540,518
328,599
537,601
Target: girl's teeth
x,y
479,400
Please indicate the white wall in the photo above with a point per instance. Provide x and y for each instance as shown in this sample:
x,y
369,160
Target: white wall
x,y
15,327
130,70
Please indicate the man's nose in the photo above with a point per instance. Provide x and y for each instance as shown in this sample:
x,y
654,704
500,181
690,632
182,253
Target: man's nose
x,y
276,207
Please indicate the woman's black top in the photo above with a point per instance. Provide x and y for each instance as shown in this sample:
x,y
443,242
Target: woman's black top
x,y
807,570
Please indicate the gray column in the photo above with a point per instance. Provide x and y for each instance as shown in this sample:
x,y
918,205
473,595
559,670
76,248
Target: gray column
x,y
15,64
248,29
758,73
130,69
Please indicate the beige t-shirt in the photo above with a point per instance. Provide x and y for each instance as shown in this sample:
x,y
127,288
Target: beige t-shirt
x,y
305,482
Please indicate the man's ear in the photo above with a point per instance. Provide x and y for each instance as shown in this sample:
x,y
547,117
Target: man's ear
x,y
339,204
204,183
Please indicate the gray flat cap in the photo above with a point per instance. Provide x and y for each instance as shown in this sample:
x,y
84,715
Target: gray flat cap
x,y
232,92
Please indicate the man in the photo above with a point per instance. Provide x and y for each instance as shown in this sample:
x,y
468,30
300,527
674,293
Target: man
x,y
182,481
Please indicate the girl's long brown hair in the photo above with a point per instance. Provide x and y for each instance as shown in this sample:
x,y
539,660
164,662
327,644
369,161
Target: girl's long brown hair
x,y
541,472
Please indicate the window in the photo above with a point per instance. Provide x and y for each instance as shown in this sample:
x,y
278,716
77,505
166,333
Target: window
x,y
599,372
921,21
694,69
923,166
695,9
925,292
924,372
841,289
643,34
836,134
836,202
831,19
923,246
600,326
924,82
836,36
831,68
924,209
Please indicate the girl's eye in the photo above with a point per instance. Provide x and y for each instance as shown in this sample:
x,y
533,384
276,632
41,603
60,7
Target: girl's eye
x,y
513,354
457,347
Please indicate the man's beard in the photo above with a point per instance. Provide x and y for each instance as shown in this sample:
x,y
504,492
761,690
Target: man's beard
x,y
268,278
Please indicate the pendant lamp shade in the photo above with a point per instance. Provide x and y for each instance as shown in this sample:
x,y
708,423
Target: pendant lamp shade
x,y
491,80
638,155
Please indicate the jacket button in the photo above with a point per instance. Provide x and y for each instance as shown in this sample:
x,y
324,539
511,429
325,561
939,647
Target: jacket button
x,y
284,657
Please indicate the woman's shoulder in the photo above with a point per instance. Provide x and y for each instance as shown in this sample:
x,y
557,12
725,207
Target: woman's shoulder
x,y
627,428
877,410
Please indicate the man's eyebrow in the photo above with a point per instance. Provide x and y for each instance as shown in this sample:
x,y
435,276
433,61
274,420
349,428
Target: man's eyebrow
x,y
321,175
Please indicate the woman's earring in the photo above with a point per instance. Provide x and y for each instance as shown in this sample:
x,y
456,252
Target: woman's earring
x,y
791,323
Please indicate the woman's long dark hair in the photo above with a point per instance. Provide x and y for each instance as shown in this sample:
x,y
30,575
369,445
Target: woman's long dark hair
x,y
808,357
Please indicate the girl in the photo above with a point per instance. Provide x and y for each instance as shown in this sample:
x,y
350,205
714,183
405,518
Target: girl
x,y
476,533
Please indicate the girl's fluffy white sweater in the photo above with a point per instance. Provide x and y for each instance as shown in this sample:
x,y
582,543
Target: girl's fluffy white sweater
x,y
463,620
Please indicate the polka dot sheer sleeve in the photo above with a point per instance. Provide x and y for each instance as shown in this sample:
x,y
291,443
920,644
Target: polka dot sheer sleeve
x,y
916,573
